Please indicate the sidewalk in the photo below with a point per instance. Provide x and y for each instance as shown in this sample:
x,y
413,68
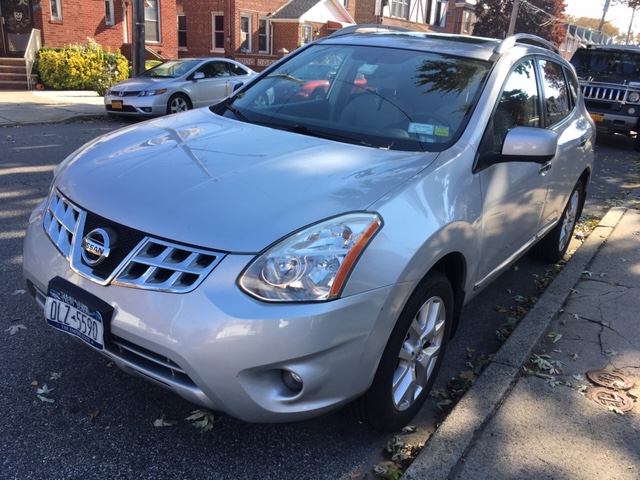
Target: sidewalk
x,y
43,106
513,425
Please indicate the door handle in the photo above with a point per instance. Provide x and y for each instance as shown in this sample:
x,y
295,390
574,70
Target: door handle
x,y
544,169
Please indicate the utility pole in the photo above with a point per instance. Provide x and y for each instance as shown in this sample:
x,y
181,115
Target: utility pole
x,y
514,15
137,37
604,14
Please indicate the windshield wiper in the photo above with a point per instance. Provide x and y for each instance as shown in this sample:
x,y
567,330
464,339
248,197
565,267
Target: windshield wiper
x,y
304,130
239,115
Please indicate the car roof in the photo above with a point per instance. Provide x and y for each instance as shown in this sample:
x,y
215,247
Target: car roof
x,y
480,48
619,48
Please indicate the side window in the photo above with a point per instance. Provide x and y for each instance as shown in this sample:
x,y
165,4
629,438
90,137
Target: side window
x,y
556,93
518,105
237,70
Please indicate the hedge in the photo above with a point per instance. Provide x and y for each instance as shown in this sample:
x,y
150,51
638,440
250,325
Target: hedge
x,y
78,67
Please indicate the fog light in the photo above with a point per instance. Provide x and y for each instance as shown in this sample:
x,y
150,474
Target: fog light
x,y
146,109
292,380
632,111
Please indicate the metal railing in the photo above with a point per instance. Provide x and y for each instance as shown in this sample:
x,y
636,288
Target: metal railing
x,y
35,44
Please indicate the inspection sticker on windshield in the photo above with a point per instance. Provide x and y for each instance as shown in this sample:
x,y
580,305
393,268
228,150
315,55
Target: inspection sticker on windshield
x,y
428,129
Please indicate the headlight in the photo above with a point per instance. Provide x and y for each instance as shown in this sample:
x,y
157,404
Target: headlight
x,y
634,97
150,93
313,264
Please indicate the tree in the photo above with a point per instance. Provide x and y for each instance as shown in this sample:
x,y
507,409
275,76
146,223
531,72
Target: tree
x,y
592,24
538,17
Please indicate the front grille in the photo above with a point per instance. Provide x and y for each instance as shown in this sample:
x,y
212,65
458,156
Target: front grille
x,y
159,265
61,221
125,109
118,93
597,92
135,259
156,366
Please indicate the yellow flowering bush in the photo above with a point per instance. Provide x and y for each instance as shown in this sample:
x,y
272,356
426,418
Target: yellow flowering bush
x,y
81,67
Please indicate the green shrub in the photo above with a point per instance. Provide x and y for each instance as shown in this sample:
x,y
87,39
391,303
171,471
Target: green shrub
x,y
81,67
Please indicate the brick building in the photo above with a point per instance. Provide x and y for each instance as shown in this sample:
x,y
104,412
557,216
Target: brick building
x,y
254,32
68,22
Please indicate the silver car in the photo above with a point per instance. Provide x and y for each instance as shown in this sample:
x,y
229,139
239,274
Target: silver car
x,y
176,86
276,258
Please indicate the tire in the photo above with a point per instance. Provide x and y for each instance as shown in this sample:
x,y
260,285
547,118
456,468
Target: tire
x,y
411,359
178,103
554,244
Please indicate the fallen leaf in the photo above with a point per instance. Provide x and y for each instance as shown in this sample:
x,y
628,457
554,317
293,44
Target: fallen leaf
x,y
46,399
19,292
610,352
34,383
409,429
94,415
13,329
467,375
616,410
161,422
55,376
579,377
202,419
44,390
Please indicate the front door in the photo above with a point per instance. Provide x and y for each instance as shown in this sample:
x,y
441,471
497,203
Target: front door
x,y
17,23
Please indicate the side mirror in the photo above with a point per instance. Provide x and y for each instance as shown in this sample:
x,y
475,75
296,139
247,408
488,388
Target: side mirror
x,y
521,144
529,144
198,76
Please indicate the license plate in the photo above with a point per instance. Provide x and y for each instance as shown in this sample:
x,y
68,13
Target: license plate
x,y
597,118
70,310
116,104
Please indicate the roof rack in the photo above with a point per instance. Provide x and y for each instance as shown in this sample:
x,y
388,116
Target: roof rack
x,y
509,42
367,28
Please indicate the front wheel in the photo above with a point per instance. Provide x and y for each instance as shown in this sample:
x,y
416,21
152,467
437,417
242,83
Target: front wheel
x,y
411,359
555,243
178,103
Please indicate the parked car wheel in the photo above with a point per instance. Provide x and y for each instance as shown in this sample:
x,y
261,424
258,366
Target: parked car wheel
x,y
178,103
554,245
411,359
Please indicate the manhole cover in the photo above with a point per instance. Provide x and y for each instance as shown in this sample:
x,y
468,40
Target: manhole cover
x,y
610,379
610,398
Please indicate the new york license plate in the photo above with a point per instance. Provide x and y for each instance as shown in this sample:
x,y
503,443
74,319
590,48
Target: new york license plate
x,y
72,314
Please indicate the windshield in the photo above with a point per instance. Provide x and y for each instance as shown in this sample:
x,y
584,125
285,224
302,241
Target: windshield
x,y
373,96
606,62
170,69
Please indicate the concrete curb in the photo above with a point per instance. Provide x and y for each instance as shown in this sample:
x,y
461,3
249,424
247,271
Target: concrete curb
x,y
448,445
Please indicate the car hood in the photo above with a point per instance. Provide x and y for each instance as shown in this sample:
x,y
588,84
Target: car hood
x,y
139,83
218,183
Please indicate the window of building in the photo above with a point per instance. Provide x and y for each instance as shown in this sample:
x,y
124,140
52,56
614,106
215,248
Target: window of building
x,y
56,12
108,12
307,34
218,32
399,8
182,31
466,22
151,21
245,33
263,35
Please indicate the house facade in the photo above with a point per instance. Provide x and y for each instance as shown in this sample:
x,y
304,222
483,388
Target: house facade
x,y
254,32
71,22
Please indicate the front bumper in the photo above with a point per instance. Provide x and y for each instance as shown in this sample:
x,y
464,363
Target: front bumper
x,y
217,347
153,106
